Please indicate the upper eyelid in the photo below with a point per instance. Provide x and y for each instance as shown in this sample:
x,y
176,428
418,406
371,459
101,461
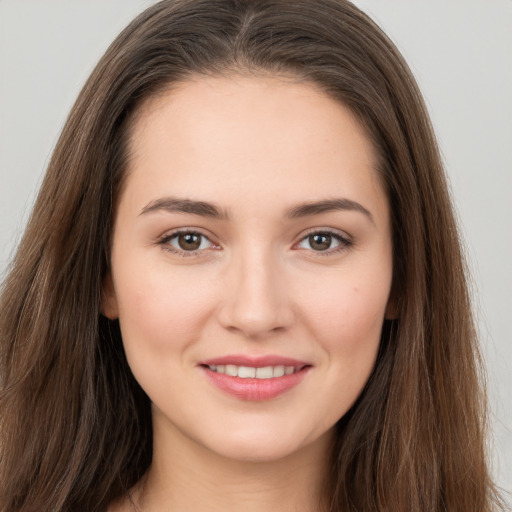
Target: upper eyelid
x,y
331,231
178,231
345,241
164,240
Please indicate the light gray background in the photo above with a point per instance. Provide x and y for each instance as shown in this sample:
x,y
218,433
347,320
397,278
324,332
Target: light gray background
x,y
461,54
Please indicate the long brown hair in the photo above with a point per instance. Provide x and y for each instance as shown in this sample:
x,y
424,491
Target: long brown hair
x,y
75,427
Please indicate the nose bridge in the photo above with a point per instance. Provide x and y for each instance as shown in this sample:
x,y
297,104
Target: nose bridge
x,y
257,299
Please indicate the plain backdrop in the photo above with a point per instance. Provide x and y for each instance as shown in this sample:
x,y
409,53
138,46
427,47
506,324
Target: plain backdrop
x,y
461,54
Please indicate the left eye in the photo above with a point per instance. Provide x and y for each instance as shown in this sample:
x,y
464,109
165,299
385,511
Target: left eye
x,y
321,241
188,241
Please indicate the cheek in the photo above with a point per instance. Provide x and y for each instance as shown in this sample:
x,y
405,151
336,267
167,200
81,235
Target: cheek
x,y
348,305
161,308
345,315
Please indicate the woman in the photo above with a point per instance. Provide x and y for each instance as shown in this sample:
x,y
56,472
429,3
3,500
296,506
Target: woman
x,y
241,285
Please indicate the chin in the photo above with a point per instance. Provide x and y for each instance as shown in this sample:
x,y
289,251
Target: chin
x,y
265,447
249,452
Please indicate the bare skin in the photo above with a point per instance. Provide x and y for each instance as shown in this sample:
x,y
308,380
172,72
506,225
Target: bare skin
x,y
252,223
203,482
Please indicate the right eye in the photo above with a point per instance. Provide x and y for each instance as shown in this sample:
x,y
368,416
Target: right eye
x,y
189,242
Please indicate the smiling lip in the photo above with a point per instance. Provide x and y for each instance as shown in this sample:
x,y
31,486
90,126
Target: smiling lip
x,y
255,389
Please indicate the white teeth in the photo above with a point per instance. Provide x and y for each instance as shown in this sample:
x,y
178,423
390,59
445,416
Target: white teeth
x,y
248,372
278,371
266,372
231,370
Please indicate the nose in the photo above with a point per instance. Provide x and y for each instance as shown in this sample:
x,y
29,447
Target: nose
x,y
257,299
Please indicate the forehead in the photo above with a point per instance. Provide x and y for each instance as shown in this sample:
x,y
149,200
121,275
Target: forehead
x,y
246,137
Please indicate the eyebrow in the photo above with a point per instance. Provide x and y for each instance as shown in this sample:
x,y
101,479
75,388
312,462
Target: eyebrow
x,y
328,205
177,205
205,209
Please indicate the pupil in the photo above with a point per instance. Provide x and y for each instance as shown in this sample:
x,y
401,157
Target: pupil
x,y
189,241
320,242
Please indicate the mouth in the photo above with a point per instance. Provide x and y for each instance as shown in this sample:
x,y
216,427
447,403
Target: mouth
x,y
252,372
255,379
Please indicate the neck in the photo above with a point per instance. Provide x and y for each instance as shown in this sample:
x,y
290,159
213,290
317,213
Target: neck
x,y
187,477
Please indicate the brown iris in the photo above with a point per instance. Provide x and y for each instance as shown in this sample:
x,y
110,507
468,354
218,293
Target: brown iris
x,y
189,241
320,241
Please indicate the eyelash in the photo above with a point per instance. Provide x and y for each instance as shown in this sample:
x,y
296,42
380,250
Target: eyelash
x,y
343,241
164,242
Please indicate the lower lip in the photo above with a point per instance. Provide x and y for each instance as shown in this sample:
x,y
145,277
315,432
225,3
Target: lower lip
x,y
255,389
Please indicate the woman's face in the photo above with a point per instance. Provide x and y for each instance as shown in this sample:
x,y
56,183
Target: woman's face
x,y
251,264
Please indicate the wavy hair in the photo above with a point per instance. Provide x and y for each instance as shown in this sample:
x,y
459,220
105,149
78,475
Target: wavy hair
x,y
75,427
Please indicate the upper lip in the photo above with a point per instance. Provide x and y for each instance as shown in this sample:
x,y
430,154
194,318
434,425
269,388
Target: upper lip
x,y
255,361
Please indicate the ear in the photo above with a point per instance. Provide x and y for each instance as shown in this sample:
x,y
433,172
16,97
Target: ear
x,y
109,306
